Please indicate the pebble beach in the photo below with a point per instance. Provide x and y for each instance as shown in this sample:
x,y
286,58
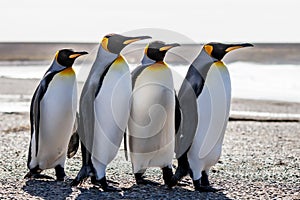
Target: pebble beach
x,y
260,159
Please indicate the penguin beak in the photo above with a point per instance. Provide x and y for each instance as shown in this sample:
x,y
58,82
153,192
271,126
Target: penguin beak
x,y
77,54
237,46
168,46
130,40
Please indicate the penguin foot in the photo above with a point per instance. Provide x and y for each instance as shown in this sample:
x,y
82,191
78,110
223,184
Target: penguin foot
x,y
204,179
60,173
36,173
167,175
61,178
31,175
201,188
110,188
139,179
103,184
196,184
173,182
82,175
206,189
28,175
179,174
76,182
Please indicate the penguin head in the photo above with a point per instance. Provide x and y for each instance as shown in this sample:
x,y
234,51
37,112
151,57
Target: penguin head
x,y
66,57
114,43
219,50
157,50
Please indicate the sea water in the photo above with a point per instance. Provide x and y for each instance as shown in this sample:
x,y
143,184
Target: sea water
x,y
249,81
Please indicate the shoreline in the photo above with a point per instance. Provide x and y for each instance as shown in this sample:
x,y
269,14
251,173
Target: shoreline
x,y
17,93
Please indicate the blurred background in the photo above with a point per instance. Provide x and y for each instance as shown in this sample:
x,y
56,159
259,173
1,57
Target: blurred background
x,y
32,31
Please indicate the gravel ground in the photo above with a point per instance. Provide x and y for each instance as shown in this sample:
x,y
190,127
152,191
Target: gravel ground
x,y
260,160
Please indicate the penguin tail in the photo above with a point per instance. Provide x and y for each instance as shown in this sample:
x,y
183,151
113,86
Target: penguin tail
x,y
85,172
125,145
73,145
74,140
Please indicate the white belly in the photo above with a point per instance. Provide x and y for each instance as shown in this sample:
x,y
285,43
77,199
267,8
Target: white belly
x,y
112,106
213,111
57,117
151,123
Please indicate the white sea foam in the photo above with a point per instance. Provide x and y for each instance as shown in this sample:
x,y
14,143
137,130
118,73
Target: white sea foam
x,y
261,82
268,82
26,72
249,81
264,115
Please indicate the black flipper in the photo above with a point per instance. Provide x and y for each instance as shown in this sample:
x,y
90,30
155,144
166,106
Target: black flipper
x,y
90,89
86,109
177,114
35,105
187,98
101,80
35,109
32,130
74,140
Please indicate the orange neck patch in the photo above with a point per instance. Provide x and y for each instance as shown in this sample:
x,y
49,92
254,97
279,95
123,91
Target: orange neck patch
x,y
158,66
67,72
120,60
219,64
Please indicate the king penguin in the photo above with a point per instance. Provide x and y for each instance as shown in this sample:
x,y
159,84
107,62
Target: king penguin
x,y
52,117
104,109
151,126
204,98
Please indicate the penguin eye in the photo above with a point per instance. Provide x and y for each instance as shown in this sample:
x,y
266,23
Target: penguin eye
x,y
109,35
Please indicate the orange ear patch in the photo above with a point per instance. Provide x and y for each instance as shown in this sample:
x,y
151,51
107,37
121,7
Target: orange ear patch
x,y
104,43
208,49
